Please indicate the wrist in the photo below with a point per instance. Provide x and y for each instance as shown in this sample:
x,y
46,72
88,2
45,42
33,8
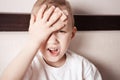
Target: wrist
x,y
34,43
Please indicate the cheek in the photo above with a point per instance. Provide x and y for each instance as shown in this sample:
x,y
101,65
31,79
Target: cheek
x,y
64,37
65,40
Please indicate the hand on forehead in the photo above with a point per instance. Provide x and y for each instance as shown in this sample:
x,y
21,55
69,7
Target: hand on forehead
x,y
51,14
64,12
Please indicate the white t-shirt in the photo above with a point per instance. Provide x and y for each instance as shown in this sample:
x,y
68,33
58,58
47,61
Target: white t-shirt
x,y
76,67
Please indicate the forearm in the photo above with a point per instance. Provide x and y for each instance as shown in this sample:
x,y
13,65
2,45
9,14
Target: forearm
x,y
40,30
17,68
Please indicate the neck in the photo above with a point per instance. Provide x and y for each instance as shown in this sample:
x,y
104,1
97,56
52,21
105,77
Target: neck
x,y
58,63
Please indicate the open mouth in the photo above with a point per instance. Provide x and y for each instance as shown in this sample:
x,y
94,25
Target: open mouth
x,y
54,51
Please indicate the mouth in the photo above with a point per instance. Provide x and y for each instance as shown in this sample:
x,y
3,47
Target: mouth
x,y
54,51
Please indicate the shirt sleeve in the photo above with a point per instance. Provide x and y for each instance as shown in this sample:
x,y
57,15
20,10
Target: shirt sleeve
x,y
90,71
34,70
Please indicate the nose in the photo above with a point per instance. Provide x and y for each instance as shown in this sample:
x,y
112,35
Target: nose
x,y
53,39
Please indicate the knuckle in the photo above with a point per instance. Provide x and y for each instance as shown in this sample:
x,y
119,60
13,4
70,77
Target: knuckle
x,y
48,24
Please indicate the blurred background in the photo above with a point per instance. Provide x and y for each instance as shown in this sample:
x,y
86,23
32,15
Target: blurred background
x,y
102,47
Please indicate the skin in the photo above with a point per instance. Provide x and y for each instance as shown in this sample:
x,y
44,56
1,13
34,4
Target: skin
x,y
48,29
59,38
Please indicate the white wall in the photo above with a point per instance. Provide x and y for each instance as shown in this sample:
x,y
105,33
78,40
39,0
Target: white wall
x,y
101,47
96,7
10,45
16,6
79,6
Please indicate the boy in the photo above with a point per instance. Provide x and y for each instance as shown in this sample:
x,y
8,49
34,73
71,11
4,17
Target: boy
x,y
51,31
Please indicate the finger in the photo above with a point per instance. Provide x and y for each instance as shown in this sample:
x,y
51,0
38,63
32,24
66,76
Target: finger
x,y
41,12
48,13
57,26
32,19
55,16
63,17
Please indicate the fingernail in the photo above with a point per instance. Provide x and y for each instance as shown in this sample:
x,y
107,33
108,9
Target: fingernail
x,y
63,17
59,13
53,7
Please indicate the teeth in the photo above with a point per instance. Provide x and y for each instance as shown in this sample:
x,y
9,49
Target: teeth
x,y
53,49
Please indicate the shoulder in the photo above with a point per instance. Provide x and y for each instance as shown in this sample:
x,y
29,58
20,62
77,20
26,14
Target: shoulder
x,y
77,58
35,69
88,69
37,62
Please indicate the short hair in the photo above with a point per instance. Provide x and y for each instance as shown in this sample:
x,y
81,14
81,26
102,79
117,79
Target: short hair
x,y
56,3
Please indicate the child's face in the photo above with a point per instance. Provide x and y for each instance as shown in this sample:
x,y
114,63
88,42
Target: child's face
x,y
58,43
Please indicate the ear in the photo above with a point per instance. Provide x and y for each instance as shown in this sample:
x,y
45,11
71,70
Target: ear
x,y
74,31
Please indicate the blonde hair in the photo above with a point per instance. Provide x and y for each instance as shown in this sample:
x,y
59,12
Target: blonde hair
x,y
56,3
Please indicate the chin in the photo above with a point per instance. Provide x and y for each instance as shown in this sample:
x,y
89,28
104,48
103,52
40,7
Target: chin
x,y
53,60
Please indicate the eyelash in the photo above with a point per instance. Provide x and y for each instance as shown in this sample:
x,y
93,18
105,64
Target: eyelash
x,y
61,31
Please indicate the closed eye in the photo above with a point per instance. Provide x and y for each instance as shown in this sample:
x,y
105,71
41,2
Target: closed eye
x,y
61,31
